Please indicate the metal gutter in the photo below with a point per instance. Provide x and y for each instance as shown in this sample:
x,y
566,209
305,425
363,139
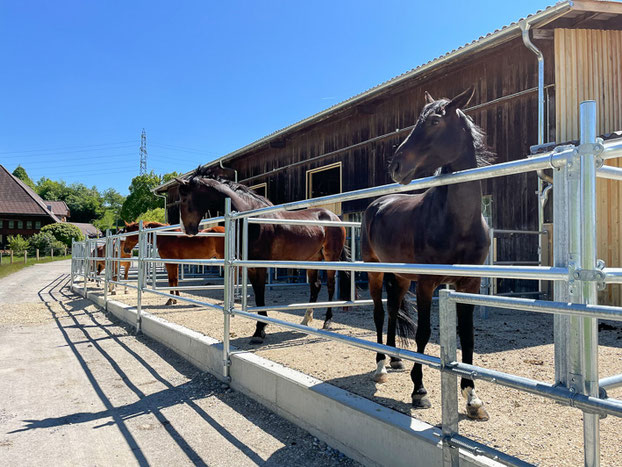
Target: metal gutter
x,y
493,39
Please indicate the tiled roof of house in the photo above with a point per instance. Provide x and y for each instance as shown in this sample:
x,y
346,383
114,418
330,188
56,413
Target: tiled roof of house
x,y
18,198
89,230
59,208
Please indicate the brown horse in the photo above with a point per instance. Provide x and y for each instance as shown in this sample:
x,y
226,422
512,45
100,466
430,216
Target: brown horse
x,y
178,247
443,225
100,265
201,194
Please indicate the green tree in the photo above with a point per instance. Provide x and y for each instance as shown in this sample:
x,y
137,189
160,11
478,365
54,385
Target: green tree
x,y
51,190
64,232
141,198
20,173
107,221
17,243
153,215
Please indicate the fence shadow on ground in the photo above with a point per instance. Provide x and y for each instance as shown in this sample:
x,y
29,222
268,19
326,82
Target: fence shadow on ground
x,y
75,317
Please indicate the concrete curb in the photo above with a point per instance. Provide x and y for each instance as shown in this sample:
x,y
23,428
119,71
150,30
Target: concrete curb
x,y
363,430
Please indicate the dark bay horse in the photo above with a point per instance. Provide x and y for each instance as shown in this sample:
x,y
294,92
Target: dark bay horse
x,y
202,193
443,225
178,247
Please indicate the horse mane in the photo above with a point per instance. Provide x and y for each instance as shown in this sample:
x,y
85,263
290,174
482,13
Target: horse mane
x,y
201,174
147,225
483,154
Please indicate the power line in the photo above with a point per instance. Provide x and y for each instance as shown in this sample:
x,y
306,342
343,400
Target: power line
x,y
184,149
54,153
67,147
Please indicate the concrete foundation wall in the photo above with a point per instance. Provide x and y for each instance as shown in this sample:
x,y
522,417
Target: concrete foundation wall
x,y
368,432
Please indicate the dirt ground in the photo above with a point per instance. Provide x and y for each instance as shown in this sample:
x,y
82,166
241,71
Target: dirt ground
x,y
532,428
78,389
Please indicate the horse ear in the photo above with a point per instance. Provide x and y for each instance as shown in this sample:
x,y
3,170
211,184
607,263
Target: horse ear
x,y
428,98
462,99
126,224
181,181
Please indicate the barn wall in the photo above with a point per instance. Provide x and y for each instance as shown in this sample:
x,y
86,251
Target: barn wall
x,y
589,67
511,126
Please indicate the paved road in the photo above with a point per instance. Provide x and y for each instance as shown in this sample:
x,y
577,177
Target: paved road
x,y
78,389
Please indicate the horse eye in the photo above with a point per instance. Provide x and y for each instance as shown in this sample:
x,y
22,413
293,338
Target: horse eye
x,y
435,121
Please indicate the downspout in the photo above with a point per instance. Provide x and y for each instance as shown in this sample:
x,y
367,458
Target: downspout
x,y
165,210
229,168
542,177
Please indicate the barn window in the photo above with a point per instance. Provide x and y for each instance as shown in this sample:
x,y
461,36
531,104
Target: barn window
x,y
20,225
325,181
37,224
0,223
260,189
29,224
11,224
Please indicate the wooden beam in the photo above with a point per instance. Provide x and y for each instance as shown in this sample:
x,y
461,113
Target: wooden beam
x,y
597,6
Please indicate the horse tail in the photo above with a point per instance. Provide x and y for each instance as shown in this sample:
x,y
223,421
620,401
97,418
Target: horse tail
x,y
405,325
344,276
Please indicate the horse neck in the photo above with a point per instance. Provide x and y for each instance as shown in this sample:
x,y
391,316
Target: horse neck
x,y
241,203
464,200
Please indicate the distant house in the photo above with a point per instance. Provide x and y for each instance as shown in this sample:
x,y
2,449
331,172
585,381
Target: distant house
x,y
59,209
22,211
89,230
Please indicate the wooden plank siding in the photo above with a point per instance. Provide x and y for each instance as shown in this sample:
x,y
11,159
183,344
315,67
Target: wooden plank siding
x,y
511,126
589,67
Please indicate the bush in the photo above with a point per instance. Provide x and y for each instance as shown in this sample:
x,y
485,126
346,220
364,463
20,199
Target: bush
x,y
17,243
64,232
45,241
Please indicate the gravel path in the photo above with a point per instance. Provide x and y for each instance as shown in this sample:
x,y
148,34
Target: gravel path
x,y
533,428
78,389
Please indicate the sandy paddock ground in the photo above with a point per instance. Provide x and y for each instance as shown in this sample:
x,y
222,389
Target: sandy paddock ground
x,y
532,428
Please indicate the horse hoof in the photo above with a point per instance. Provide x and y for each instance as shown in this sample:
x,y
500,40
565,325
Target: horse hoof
x,y
477,413
421,401
169,302
256,340
113,293
327,324
380,378
397,365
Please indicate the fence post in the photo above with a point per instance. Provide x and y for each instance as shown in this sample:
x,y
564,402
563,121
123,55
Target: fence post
x,y
11,256
588,150
52,252
25,257
87,254
352,258
229,286
449,381
141,275
72,264
106,268
245,269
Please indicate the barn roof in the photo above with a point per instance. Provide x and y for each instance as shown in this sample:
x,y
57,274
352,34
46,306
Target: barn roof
x,y
18,198
576,11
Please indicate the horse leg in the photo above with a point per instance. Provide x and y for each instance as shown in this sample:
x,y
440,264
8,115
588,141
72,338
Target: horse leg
x,y
396,290
474,406
375,290
330,285
425,290
258,281
314,287
126,273
172,273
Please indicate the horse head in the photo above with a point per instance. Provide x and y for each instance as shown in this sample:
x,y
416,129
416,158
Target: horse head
x,y
437,140
201,194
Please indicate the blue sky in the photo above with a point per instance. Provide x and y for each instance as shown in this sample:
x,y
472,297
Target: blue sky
x,y
81,79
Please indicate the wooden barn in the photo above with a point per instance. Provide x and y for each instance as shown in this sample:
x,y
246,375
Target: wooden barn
x,y
346,147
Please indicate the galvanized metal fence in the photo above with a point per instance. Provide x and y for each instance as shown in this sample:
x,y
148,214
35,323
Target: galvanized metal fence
x,y
576,272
